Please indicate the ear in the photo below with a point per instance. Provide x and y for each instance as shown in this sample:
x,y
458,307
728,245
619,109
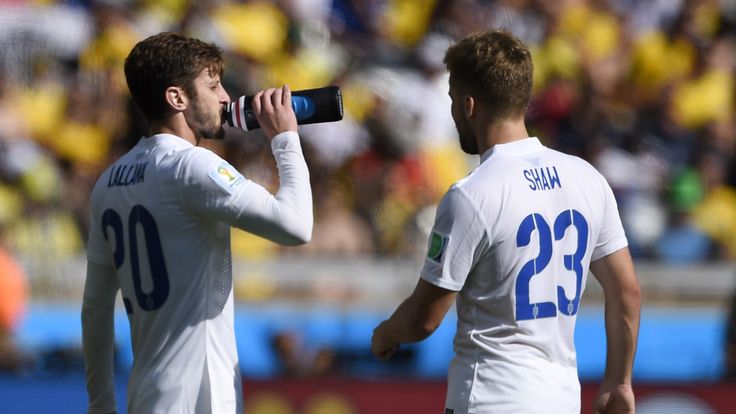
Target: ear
x,y
469,107
176,98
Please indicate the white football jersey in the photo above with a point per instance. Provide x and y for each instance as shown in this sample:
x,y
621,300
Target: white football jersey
x,y
161,217
515,238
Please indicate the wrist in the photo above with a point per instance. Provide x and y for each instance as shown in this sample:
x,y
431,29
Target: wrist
x,y
387,332
284,140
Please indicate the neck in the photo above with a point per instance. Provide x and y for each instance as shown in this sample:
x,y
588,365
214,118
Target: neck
x,y
500,132
174,125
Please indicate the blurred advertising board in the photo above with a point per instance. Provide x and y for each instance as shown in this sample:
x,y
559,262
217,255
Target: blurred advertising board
x,y
353,396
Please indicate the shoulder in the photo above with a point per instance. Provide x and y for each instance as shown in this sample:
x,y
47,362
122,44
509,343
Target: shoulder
x,y
100,185
198,156
194,162
457,199
583,168
573,160
200,169
99,192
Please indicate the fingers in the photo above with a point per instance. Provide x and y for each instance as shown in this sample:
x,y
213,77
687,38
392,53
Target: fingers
x,y
381,346
276,95
256,103
273,110
271,99
267,101
280,97
286,98
386,354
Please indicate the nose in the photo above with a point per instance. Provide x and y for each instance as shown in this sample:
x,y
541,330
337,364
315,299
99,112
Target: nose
x,y
223,95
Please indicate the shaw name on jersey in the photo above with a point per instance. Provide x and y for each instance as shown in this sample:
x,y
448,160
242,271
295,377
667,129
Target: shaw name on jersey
x,y
543,178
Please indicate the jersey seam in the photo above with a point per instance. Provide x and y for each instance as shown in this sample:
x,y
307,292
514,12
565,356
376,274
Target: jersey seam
x,y
465,235
476,356
476,350
179,168
477,214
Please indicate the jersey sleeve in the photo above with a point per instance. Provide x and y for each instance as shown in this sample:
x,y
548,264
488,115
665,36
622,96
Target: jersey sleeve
x,y
213,188
457,239
98,249
612,237
98,331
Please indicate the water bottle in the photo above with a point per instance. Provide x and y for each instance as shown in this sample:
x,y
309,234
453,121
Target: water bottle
x,y
310,106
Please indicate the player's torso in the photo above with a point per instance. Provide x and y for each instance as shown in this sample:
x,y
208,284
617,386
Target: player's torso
x,y
172,266
520,300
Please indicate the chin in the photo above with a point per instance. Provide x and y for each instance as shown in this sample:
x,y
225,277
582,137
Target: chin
x,y
214,134
469,146
220,133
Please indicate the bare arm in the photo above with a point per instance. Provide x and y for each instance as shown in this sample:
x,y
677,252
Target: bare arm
x,y
415,319
617,276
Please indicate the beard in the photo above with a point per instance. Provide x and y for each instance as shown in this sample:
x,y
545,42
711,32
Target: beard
x,y
205,123
468,143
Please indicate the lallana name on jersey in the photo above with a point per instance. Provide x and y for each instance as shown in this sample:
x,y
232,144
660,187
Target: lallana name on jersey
x,y
543,178
125,175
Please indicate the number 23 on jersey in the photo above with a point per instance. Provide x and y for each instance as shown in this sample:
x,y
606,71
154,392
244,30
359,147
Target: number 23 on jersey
x,y
536,267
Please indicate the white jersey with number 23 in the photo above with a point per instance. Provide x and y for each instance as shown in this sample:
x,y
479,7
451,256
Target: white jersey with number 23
x,y
515,238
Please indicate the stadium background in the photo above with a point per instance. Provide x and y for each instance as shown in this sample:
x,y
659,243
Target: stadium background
x,y
643,90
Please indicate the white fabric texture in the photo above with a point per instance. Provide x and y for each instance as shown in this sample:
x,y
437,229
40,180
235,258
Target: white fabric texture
x,y
160,229
515,238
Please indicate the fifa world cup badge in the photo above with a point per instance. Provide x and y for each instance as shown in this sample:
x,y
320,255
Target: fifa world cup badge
x,y
437,245
226,176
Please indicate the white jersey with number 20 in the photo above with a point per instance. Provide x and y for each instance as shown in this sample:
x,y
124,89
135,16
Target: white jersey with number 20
x,y
161,217
515,238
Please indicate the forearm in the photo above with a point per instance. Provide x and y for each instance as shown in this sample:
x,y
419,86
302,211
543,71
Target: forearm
x,y
418,316
286,217
406,325
97,343
294,196
622,313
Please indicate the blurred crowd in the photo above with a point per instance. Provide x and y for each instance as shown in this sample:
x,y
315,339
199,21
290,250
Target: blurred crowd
x,y
642,90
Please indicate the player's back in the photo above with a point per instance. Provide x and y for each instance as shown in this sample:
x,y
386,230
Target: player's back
x,y
173,267
543,215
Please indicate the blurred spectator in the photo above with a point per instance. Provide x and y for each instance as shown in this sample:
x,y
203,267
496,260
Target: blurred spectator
x,y
637,88
715,214
298,361
729,371
338,230
13,297
683,242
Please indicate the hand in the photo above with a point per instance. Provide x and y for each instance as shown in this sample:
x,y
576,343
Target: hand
x,y
381,346
618,399
273,110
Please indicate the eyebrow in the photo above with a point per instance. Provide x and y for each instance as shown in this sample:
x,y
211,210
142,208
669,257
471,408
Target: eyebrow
x,y
212,80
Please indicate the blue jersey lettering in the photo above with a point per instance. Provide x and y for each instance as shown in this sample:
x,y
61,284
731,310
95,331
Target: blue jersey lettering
x,y
125,175
543,178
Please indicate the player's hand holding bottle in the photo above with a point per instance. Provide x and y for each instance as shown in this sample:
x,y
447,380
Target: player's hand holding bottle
x,y
273,110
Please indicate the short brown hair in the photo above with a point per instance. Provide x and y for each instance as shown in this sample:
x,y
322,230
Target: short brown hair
x,y
497,66
164,60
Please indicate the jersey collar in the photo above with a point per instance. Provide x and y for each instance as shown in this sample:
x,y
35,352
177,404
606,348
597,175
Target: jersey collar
x,y
513,149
